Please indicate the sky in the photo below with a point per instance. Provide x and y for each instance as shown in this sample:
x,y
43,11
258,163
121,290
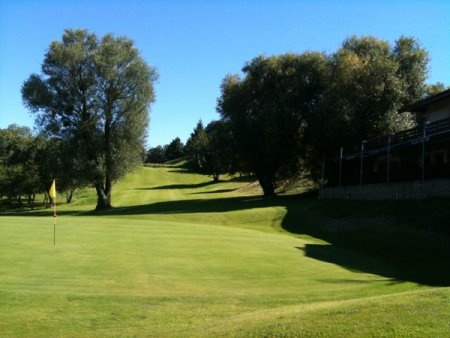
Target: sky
x,y
194,44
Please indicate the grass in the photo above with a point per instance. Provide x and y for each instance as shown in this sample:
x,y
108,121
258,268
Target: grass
x,y
181,257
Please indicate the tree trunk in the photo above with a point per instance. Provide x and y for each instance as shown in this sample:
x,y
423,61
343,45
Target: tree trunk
x,y
267,186
104,191
216,177
103,196
31,198
69,196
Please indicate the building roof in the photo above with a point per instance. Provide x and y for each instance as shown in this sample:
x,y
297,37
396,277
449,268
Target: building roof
x,y
422,105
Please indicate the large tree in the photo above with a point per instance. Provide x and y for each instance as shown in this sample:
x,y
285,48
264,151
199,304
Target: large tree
x,y
370,81
174,150
94,94
210,150
156,155
221,152
196,149
268,109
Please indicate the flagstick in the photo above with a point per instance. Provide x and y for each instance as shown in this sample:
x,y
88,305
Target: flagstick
x,y
52,194
54,222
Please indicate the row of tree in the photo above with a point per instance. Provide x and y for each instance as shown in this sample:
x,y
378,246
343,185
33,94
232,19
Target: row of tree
x,y
280,117
285,113
28,164
21,165
161,154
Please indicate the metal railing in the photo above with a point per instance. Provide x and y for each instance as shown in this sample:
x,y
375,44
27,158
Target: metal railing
x,y
407,137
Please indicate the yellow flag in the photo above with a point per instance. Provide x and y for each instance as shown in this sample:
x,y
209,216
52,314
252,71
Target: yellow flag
x,y
52,191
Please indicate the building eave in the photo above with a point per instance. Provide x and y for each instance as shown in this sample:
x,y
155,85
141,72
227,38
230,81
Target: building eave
x,y
422,105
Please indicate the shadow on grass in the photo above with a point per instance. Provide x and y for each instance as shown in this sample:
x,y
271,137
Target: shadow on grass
x,y
43,212
425,270
359,243
201,185
347,258
191,206
371,244
220,191
179,186
389,250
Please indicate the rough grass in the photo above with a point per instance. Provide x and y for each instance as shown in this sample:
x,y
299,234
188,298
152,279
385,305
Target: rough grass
x,y
181,257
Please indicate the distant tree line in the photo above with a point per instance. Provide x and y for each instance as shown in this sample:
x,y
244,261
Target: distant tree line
x,y
22,163
161,154
29,163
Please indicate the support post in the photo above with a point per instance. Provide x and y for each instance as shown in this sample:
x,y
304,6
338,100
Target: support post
x,y
340,166
424,137
388,160
362,162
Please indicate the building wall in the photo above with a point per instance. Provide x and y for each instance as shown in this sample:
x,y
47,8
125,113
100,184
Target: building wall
x,y
401,190
438,111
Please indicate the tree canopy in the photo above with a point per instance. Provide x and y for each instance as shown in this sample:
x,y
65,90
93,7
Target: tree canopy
x,y
290,110
210,150
267,111
370,81
94,95
22,158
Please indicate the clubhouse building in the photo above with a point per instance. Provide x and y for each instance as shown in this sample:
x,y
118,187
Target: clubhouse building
x,y
414,163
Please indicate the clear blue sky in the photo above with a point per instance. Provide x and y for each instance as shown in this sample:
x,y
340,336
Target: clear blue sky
x,y
195,44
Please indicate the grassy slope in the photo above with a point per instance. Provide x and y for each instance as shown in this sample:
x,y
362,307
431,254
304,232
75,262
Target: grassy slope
x,y
181,257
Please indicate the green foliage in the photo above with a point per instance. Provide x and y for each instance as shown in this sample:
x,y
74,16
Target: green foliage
x,y
21,165
196,149
291,110
370,81
174,150
221,155
156,155
210,151
268,110
94,96
435,88
412,69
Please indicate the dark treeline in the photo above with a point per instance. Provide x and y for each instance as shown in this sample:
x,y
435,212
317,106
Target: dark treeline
x,y
161,154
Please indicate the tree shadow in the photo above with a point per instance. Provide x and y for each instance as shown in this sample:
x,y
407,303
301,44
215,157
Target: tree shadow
x,y
346,258
392,251
180,171
179,186
425,271
352,261
43,212
190,206
398,253
220,191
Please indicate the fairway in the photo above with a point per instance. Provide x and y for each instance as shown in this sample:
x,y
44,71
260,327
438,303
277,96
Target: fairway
x,y
180,257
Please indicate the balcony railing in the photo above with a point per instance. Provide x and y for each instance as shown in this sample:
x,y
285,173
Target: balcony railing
x,y
407,137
